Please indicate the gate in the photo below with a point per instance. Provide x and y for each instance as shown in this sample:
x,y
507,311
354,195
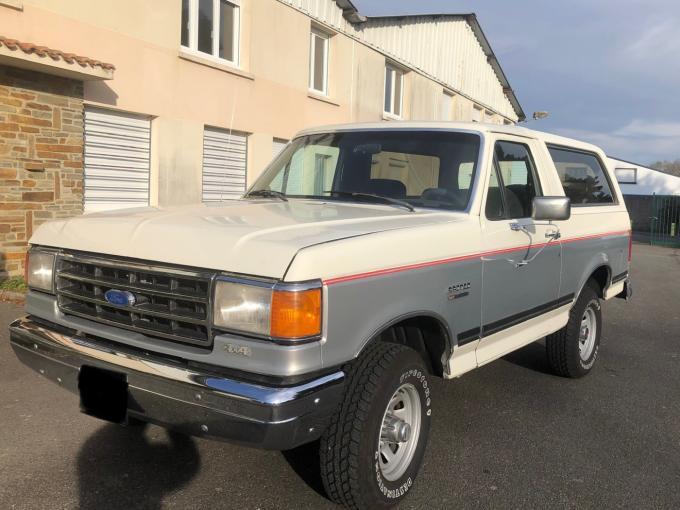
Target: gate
x,y
665,220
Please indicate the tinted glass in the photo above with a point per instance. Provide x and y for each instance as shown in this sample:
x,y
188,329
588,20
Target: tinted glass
x,y
427,169
184,37
494,199
583,178
516,180
518,173
205,25
228,13
417,172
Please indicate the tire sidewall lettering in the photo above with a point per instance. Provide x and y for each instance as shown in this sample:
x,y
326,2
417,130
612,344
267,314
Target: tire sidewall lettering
x,y
399,488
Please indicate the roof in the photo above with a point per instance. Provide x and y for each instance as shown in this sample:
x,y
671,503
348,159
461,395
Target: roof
x,y
351,13
51,60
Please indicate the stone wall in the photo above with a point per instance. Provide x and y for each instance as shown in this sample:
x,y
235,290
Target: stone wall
x,y
41,157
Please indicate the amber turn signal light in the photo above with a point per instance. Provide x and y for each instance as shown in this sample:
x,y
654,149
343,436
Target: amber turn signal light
x,y
296,314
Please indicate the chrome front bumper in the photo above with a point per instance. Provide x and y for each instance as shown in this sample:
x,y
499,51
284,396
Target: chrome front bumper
x,y
166,391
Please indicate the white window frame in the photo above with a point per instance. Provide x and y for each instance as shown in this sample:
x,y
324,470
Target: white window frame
x,y
193,32
316,33
396,72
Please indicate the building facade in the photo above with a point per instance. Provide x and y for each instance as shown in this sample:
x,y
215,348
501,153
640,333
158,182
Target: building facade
x,y
652,197
196,96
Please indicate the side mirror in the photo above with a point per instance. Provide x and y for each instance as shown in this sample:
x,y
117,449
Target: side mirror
x,y
551,208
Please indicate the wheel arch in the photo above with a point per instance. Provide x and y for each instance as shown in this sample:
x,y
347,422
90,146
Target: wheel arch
x,y
600,274
426,332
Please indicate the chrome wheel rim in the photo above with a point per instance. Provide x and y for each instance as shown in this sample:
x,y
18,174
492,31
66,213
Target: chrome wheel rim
x,y
399,432
587,334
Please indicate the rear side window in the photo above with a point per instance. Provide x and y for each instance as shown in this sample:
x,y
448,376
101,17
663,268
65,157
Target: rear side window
x,y
584,180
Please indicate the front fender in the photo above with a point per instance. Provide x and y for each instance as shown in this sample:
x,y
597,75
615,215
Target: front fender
x,y
360,309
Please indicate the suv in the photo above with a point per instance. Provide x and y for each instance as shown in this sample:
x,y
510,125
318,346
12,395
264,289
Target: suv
x,y
364,261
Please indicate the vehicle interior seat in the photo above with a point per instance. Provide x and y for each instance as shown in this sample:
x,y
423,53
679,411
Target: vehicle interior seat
x,y
519,203
387,188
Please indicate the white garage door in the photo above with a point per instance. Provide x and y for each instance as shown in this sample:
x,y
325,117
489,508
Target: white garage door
x,y
277,146
117,154
224,164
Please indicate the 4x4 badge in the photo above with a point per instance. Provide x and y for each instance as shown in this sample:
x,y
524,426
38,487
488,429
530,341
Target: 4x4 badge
x,y
242,350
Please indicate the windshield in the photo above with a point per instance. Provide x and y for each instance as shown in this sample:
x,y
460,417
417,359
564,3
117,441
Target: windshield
x,y
432,169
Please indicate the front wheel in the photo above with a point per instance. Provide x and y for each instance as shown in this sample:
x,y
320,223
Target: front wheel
x,y
572,351
372,450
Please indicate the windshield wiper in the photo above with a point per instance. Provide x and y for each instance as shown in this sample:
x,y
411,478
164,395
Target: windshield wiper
x,y
371,196
269,193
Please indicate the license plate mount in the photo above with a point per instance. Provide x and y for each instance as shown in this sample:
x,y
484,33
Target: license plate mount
x,y
103,393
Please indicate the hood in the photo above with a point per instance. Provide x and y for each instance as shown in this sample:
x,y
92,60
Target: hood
x,y
254,237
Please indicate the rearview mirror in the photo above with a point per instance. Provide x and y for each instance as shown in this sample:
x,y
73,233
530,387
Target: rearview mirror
x,y
551,208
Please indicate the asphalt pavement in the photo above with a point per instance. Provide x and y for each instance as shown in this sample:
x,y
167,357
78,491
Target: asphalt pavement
x,y
509,435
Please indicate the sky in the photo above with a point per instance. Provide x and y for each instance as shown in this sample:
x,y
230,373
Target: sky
x,y
607,71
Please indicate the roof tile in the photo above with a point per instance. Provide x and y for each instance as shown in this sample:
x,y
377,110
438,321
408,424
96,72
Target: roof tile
x,y
43,51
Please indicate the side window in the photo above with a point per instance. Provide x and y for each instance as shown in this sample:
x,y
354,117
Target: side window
x,y
583,178
494,198
513,184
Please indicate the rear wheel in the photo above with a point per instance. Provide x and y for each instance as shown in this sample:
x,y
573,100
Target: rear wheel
x,y
372,450
572,351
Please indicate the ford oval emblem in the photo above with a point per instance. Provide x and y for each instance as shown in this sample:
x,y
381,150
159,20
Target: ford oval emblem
x,y
120,297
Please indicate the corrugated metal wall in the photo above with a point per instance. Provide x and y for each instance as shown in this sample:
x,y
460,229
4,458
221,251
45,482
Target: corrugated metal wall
x,y
326,11
445,49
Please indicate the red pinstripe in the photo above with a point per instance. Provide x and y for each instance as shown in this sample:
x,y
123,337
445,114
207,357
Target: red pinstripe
x,y
410,267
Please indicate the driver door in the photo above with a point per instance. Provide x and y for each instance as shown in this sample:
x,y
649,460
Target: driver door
x,y
520,267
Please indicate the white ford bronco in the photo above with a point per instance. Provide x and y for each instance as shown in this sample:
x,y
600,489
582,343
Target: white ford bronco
x,y
365,260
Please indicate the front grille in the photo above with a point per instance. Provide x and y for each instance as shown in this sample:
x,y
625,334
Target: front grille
x,y
169,303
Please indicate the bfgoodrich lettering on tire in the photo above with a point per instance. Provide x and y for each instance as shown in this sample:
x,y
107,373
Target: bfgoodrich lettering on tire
x,y
372,450
572,351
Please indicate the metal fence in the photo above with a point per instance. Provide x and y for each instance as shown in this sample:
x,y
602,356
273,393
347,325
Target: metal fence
x,y
665,220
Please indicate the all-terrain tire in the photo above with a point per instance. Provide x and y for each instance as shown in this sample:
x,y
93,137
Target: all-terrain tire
x,y
563,347
349,448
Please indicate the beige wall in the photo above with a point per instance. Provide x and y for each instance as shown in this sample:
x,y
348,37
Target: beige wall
x,y
268,97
